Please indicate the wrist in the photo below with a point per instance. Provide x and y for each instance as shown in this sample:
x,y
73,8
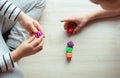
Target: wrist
x,y
15,56
19,18
91,16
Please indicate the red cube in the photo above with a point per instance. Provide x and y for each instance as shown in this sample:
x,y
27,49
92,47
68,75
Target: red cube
x,y
70,30
71,27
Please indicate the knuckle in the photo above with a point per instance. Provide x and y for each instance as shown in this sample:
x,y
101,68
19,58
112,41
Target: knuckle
x,y
40,48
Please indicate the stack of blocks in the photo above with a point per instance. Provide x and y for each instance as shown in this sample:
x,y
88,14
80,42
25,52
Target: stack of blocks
x,y
69,49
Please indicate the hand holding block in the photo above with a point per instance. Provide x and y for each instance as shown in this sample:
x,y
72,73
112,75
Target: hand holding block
x,y
71,27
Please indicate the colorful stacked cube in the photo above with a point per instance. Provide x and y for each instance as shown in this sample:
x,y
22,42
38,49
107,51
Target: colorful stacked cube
x,y
71,27
69,49
38,34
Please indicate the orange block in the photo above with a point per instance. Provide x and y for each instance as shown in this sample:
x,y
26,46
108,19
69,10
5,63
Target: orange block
x,y
69,55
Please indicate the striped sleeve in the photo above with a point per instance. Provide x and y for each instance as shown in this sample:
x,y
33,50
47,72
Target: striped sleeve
x,y
9,10
6,62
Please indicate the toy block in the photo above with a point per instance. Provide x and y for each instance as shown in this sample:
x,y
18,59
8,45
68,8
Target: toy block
x,y
70,44
68,55
68,49
71,27
38,34
70,30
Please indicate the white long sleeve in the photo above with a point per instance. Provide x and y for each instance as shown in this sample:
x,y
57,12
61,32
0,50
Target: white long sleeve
x,y
6,62
9,10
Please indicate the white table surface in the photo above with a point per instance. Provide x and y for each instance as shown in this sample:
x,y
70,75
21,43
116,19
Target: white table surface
x,y
96,53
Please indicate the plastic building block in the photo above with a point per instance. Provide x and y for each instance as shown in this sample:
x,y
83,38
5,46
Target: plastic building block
x,y
69,50
38,34
70,44
71,27
70,30
68,55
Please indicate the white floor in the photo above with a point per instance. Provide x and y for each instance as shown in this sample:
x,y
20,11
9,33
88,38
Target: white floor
x,y
96,53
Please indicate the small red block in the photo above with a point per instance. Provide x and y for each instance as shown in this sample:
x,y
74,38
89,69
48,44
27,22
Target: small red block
x,y
70,30
71,27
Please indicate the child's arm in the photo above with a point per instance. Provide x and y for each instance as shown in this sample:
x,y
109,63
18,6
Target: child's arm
x,y
82,20
12,12
31,25
28,47
99,14
6,62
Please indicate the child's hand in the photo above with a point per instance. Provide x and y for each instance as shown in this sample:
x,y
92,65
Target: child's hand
x,y
28,23
28,47
79,20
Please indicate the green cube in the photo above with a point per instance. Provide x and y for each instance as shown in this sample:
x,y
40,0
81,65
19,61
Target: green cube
x,y
68,49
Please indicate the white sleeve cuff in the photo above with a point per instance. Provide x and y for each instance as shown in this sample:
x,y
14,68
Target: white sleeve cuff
x,y
6,62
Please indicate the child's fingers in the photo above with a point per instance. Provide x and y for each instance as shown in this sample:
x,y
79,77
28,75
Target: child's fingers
x,y
71,19
76,29
40,46
65,25
62,21
37,25
79,27
31,39
65,20
33,28
37,41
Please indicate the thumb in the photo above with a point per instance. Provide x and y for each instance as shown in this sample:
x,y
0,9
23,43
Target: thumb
x,y
78,28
